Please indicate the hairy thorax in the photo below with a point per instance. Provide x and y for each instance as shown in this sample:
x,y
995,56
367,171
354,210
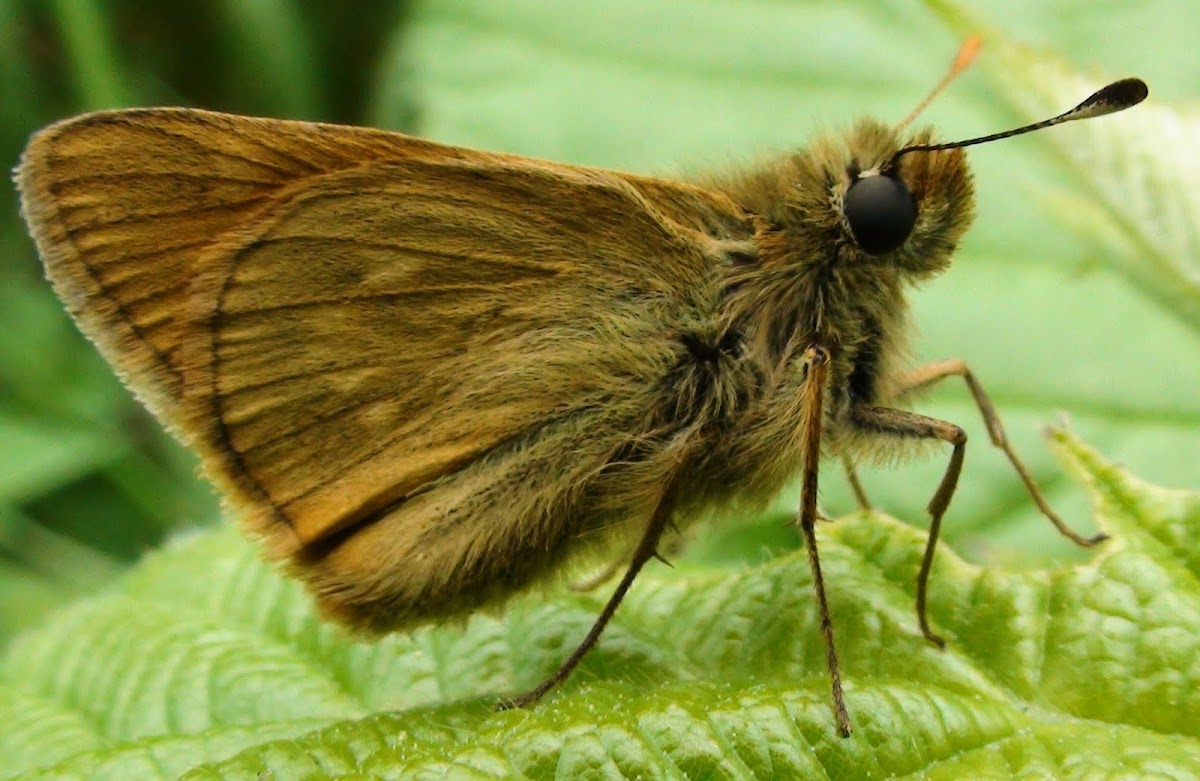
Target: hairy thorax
x,y
745,383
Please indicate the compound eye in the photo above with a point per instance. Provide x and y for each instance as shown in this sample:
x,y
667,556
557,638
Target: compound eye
x,y
881,212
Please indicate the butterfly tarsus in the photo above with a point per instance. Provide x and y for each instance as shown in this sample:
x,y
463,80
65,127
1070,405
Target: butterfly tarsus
x,y
910,425
856,486
596,579
899,423
647,549
935,372
812,403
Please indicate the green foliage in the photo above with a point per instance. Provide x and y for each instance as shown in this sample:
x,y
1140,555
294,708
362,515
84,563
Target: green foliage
x,y
204,663
1136,209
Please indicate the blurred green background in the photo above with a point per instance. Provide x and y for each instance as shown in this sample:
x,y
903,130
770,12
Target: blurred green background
x,y
87,480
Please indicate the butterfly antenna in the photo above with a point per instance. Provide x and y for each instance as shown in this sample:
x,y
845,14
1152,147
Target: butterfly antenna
x,y
1117,96
966,54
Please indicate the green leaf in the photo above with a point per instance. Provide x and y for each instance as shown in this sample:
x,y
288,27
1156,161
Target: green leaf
x,y
205,663
26,598
38,455
94,67
274,49
1137,207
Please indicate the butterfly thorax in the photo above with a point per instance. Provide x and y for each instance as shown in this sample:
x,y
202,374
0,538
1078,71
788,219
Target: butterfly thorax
x,y
809,281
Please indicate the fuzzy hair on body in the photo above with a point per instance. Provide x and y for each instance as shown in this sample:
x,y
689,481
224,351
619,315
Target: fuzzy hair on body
x,y
428,376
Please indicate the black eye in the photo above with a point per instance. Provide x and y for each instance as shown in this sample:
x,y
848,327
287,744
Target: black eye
x,y
881,212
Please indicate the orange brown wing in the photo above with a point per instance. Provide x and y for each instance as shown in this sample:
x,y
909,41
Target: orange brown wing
x,y
338,317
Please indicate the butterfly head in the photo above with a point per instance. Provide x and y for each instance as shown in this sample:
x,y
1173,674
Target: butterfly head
x,y
910,212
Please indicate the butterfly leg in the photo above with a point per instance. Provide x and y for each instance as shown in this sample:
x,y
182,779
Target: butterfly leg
x,y
596,579
817,360
599,578
927,375
647,549
860,494
909,425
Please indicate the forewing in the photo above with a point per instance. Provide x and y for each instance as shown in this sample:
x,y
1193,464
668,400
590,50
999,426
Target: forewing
x,y
123,205
341,318
384,330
